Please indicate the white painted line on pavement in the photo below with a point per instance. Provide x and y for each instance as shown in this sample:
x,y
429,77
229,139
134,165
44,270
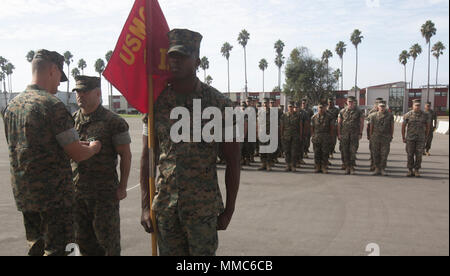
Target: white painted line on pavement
x,y
133,187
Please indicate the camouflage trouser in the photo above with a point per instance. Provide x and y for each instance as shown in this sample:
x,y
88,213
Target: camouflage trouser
x,y
48,233
381,147
291,149
247,151
414,149
321,144
342,152
301,150
307,143
428,141
333,143
280,147
266,157
97,226
180,236
349,144
371,151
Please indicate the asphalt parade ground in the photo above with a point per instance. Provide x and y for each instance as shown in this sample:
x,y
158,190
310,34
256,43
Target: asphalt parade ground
x,y
302,213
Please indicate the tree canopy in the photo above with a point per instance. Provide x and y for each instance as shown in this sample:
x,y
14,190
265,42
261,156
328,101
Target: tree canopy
x,y
307,76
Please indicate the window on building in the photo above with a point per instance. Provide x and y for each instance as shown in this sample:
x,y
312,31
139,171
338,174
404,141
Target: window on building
x,y
441,94
396,96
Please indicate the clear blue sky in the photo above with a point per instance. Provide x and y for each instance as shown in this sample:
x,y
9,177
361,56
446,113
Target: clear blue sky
x,y
89,28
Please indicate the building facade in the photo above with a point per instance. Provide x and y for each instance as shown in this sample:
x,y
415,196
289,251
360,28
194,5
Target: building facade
x,y
398,97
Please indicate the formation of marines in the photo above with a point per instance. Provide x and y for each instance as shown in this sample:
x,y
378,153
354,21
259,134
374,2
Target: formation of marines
x,y
63,166
298,128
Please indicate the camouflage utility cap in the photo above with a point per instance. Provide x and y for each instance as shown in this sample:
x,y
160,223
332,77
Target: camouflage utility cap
x,y
184,41
53,57
351,99
86,83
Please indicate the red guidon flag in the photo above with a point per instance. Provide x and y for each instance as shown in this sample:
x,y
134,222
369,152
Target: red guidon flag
x,y
140,51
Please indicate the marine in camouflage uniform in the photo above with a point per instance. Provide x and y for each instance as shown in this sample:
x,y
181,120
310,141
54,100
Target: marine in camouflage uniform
x,y
417,127
307,133
280,147
188,203
256,144
303,118
97,187
381,133
41,140
266,158
252,145
291,130
322,129
247,148
432,118
372,111
334,113
350,127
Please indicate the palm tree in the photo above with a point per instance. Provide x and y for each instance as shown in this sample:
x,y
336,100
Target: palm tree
x,y
356,39
68,59
327,54
414,52
337,75
99,66
263,66
108,57
9,68
243,39
2,78
30,56
81,65
279,59
438,50
209,80
204,64
403,59
340,50
428,30
75,72
226,49
3,62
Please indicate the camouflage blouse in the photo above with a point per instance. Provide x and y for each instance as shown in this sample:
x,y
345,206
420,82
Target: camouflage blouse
x,y
37,127
416,123
98,174
187,170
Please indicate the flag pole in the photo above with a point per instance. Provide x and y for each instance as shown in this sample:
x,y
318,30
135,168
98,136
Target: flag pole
x,y
151,155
